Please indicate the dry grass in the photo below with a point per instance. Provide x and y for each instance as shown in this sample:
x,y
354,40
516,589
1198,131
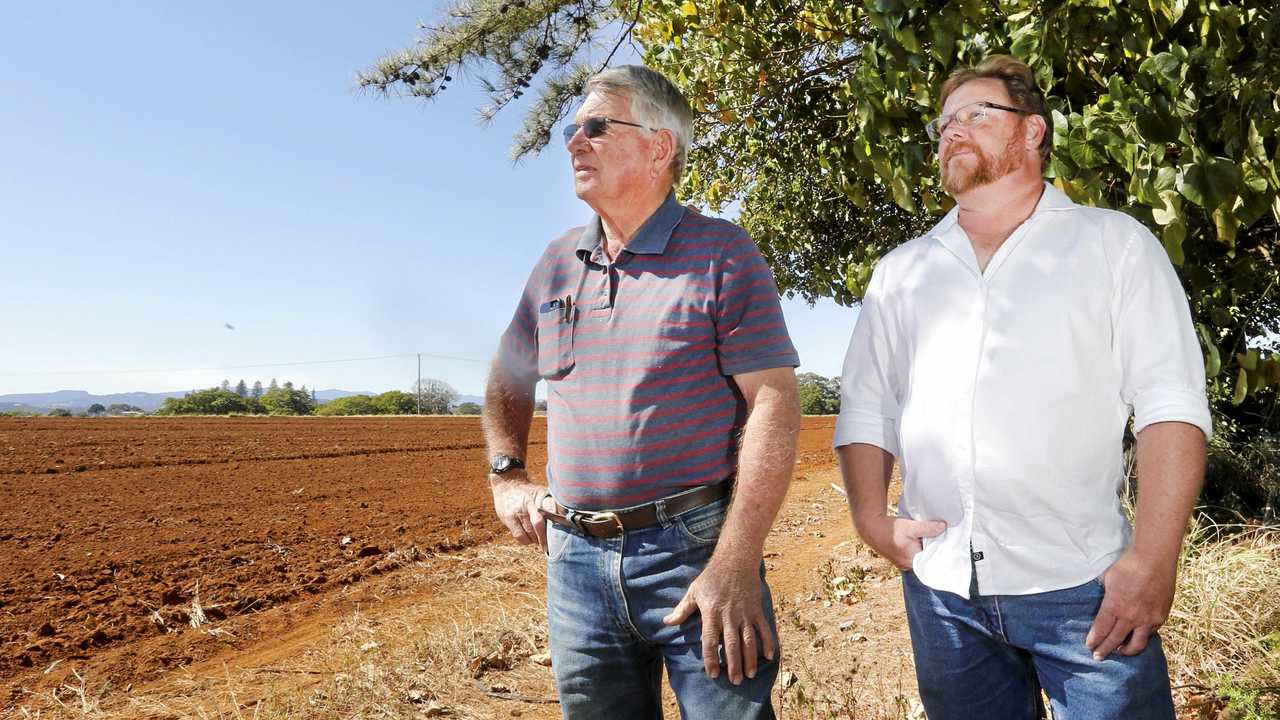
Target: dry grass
x,y
431,663
1223,635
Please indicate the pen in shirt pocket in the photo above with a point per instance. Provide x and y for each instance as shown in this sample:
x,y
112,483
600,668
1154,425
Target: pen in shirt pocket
x,y
566,309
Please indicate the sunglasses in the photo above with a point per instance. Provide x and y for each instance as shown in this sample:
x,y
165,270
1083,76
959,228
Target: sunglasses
x,y
594,127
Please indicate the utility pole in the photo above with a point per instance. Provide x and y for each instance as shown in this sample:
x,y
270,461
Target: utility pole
x,y
419,385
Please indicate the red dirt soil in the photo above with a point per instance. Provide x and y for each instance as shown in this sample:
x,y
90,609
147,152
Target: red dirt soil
x,y
115,530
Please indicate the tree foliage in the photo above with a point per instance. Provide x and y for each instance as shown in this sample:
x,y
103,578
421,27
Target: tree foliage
x,y
214,401
119,408
468,408
286,401
393,402
350,405
810,116
818,395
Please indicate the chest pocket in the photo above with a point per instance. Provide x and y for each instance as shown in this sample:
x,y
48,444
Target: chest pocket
x,y
555,342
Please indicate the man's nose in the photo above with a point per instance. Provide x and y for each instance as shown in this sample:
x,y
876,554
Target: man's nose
x,y
578,140
954,131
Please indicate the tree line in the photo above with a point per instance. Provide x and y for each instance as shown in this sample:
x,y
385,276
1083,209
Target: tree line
x,y
434,397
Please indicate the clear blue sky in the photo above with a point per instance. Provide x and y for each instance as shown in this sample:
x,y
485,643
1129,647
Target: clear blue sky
x,y
171,167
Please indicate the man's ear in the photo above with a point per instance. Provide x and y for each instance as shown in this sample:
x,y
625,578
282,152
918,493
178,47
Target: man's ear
x,y
663,151
1035,129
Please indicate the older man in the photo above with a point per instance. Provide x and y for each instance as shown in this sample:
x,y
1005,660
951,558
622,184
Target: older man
x,y
1000,357
671,390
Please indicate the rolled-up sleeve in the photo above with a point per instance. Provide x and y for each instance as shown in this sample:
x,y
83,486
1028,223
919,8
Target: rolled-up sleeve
x,y
870,398
1162,365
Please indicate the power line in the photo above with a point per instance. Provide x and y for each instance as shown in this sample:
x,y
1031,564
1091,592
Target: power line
x,y
239,367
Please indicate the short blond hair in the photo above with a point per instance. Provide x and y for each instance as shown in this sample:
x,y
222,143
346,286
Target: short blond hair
x,y
1018,81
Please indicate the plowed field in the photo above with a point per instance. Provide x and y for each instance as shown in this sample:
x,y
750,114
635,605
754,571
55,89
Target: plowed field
x,y
136,546
119,532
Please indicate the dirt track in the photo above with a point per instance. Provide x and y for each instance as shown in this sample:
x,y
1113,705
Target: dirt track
x,y
115,530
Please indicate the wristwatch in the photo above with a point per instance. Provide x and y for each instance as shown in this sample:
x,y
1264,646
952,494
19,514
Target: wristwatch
x,y
501,463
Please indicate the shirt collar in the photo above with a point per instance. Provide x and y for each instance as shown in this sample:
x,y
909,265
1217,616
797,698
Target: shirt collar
x,y
952,237
650,239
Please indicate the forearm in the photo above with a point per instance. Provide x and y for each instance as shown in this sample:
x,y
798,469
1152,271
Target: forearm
x,y
508,412
1171,459
765,464
866,470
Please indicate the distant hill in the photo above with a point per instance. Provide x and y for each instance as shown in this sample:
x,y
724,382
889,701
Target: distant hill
x,y
327,395
80,400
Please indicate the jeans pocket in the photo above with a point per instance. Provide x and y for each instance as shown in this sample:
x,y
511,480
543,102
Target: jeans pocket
x,y
702,525
555,345
558,539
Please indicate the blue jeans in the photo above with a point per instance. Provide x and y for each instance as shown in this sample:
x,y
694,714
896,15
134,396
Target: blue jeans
x,y
606,598
989,656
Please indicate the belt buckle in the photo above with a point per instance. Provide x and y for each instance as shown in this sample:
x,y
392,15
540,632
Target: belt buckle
x,y
602,517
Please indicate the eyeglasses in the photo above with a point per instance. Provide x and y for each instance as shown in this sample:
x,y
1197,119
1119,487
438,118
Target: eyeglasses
x,y
971,115
594,127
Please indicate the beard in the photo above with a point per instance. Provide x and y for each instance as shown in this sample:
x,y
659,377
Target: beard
x,y
984,168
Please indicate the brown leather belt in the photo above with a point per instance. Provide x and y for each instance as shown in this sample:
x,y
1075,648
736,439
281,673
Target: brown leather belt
x,y
608,523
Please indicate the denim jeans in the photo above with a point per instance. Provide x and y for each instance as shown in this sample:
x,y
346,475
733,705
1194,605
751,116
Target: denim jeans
x,y
989,656
606,598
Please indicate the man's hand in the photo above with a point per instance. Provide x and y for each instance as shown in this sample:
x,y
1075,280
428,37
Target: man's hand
x,y
898,539
727,595
516,501
1136,601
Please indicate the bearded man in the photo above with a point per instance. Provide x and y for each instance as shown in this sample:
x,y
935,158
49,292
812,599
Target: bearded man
x,y
999,358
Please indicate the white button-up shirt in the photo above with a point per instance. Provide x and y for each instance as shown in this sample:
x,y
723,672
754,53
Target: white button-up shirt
x,y
1004,394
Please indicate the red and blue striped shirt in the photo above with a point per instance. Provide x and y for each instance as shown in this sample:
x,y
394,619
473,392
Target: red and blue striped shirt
x,y
639,354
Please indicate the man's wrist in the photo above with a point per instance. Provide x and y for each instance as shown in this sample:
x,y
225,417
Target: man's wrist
x,y
512,477
1152,556
502,464
864,522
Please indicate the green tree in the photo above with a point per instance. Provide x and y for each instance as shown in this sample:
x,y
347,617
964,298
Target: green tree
x,y
810,116
59,412
351,405
818,395
118,408
214,401
257,389
242,389
395,402
286,401
97,409
467,408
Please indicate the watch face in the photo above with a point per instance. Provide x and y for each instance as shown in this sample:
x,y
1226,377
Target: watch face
x,y
502,463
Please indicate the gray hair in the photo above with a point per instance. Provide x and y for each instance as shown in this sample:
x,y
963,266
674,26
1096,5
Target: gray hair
x,y
655,102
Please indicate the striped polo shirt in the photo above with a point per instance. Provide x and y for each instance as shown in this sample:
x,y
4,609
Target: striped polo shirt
x,y
638,354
